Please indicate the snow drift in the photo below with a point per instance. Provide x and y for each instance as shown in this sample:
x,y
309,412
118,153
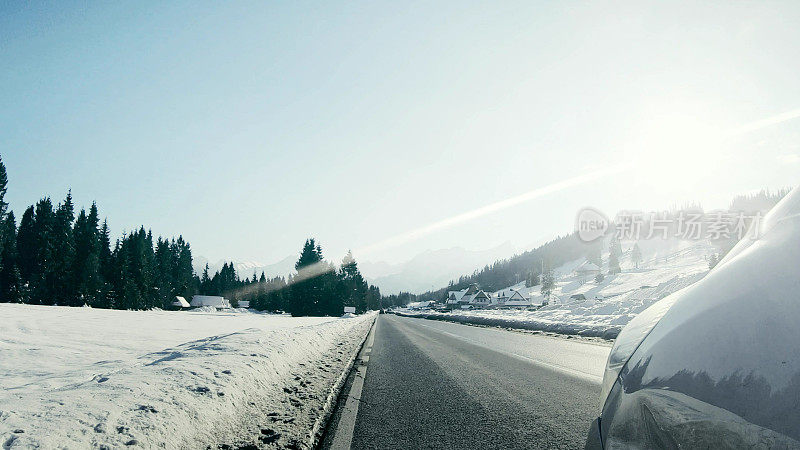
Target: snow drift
x,y
88,378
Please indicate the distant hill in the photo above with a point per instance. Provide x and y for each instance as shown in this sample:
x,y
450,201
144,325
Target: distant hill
x,y
507,272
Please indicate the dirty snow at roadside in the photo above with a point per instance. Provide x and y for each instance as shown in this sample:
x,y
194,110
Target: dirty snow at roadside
x,y
606,306
92,378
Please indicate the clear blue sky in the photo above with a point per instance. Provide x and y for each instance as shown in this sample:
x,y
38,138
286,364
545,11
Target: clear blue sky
x,y
248,126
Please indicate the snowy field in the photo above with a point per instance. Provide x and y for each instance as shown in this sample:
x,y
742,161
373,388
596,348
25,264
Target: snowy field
x,y
92,378
609,305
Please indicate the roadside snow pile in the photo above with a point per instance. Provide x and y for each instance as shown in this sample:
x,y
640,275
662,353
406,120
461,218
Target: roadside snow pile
x,y
91,378
584,307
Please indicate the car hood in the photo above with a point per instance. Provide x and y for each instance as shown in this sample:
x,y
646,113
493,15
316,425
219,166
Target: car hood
x,y
731,340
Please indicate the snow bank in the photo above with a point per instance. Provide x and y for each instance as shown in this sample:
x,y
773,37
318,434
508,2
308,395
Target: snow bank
x,y
84,378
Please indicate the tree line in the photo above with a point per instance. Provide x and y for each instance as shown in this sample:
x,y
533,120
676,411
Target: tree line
x,y
318,288
55,257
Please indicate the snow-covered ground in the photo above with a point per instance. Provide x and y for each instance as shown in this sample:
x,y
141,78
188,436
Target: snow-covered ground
x,y
668,266
92,378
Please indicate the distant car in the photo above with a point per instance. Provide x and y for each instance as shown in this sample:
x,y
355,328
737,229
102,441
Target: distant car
x,y
716,365
381,311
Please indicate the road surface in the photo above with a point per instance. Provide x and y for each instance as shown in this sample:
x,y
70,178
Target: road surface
x,y
432,384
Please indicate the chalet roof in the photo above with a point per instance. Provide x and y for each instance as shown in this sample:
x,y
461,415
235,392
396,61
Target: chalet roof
x,y
588,266
517,296
180,301
479,296
455,296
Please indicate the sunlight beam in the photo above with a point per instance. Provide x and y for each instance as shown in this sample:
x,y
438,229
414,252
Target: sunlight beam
x,y
764,123
450,222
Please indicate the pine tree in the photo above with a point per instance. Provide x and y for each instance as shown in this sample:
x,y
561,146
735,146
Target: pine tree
x,y
374,298
165,261
106,265
116,277
599,277
355,287
307,287
329,299
615,251
205,282
45,276
183,275
3,204
3,189
636,255
548,283
86,265
135,281
10,278
64,291
613,264
532,279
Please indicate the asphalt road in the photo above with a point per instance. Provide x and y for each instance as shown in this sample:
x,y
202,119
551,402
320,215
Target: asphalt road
x,y
442,385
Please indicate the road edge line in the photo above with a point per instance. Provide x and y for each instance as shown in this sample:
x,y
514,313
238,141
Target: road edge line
x,y
332,401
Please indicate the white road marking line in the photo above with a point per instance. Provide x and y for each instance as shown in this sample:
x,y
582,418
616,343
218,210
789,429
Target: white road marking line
x,y
343,435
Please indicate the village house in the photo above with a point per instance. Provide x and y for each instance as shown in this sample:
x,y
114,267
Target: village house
x,y
453,297
511,298
587,271
517,300
480,300
461,299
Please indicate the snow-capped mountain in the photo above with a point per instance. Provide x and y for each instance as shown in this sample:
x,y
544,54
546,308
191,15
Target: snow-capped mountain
x,y
428,270
246,269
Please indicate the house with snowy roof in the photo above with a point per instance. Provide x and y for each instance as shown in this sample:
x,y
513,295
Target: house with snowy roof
x,y
480,300
517,300
461,299
511,298
587,270
453,297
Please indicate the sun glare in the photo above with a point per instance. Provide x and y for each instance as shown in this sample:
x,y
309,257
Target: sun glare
x,y
677,148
